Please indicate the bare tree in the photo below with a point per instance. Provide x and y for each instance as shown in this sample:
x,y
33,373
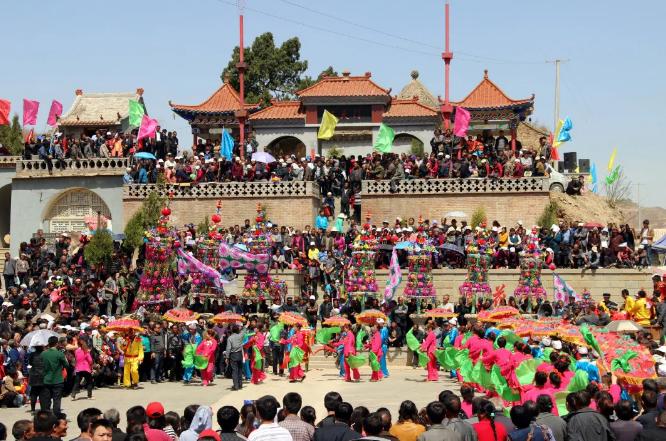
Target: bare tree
x,y
619,190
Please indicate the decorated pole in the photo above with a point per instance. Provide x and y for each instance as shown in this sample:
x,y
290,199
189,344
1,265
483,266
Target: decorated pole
x,y
241,66
447,56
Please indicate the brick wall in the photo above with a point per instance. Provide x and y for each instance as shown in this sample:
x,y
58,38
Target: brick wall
x,y
507,208
293,211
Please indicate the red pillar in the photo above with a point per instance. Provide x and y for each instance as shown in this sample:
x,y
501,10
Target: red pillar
x,y
447,56
241,114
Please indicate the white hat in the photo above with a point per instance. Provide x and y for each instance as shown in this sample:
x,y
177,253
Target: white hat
x,y
447,157
453,321
335,311
520,223
312,243
495,229
398,218
313,298
286,248
623,245
398,230
512,249
451,229
556,344
380,321
555,228
582,350
546,341
160,160
410,229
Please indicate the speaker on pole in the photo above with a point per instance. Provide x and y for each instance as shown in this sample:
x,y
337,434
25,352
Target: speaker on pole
x,y
584,165
560,166
570,161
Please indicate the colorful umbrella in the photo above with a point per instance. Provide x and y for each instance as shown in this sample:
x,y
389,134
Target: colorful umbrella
x,y
501,312
180,315
624,326
336,320
227,317
370,317
440,313
124,325
292,318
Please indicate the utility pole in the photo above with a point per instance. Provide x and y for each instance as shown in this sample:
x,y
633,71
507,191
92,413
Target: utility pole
x,y
447,56
241,66
556,116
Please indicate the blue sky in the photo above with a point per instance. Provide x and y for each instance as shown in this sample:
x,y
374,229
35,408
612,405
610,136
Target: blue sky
x,y
612,87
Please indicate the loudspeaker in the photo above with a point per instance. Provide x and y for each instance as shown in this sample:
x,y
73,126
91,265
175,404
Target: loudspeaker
x,y
560,166
584,165
570,161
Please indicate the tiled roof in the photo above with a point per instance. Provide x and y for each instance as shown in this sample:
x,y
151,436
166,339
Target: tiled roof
x,y
418,89
224,100
280,110
487,95
345,85
409,108
92,109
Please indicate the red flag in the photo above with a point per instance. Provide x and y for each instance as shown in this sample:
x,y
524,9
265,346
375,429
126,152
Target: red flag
x,y
5,106
30,136
54,113
30,110
148,126
461,123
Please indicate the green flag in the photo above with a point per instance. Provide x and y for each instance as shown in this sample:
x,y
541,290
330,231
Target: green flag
x,y
613,176
384,141
590,340
623,362
136,112
327,126
324,335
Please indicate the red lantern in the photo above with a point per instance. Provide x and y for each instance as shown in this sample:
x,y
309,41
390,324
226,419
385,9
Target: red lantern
x,y
216,218
166,211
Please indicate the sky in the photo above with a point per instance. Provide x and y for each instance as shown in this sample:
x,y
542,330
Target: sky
x,y
611,85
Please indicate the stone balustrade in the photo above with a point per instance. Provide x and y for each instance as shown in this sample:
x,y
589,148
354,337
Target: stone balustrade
x,y
9,161
458,186
216,190
37,168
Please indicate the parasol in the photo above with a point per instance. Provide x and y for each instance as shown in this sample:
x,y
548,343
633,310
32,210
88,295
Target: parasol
x,y
39,337
180,315
624,326
264,157
499,313
594,225
292,318
124,325
370,317
336,320
145,155
440,313
227,317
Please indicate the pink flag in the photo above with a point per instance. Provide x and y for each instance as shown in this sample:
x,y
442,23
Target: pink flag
x,y
54,113
30,109
5,107
461,123
148,126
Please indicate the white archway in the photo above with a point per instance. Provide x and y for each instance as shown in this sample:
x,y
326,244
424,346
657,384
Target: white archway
x,y
73,209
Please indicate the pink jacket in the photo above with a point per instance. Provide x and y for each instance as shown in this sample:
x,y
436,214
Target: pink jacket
x,y
350,344
84,361
430,343
376,344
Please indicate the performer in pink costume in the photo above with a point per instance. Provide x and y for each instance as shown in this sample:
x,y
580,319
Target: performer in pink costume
x,y
502,358
256,341
207,349
429,346
350,349
376,348
298,339
477,344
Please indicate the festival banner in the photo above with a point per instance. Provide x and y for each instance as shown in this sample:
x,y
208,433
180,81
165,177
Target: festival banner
x,y
327,127
30,110
562,134
5,107
190,264
614,176
395,277
385,137
136,113
148,127
611,160
461,123
234,257
562,289
227,149
595,181
54,113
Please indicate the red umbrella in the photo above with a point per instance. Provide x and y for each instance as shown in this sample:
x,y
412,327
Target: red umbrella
x,y
180,315
227,317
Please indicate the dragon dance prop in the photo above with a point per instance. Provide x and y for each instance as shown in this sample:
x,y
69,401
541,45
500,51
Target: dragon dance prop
x,y
257,284
206,280
531,265
419,278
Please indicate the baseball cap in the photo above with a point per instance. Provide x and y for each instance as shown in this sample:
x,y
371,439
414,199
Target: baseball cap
x,y
154,410
209,433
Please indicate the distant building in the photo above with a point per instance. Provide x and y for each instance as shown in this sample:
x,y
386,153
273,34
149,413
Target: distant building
x,y
94,111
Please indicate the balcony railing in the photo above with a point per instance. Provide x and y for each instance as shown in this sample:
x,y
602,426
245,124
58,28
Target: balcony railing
x,y
457,186
72,167
9,161
213,190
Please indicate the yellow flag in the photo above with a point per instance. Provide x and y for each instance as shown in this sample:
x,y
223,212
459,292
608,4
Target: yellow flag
x,y
611,161
558,129
327,126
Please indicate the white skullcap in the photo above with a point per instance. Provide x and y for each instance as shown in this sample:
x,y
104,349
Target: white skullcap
x,y
546,341
453,321
556,344
582,350
380,321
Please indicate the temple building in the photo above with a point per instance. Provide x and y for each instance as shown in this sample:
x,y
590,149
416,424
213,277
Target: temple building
x,y
359,103
91,112
219,110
